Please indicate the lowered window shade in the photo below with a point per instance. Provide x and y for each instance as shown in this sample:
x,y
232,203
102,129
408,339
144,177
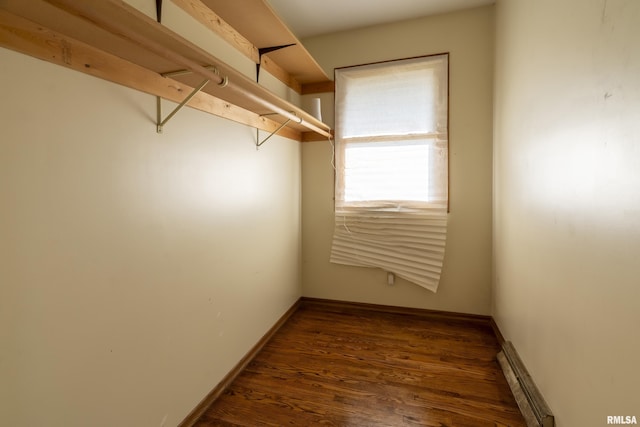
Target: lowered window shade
x,y
392,167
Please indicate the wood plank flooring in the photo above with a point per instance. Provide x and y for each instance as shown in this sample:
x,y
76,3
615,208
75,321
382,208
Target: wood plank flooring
x,y
338,365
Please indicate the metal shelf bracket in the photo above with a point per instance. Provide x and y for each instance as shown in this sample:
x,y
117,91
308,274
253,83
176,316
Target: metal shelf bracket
x,y
259,143
159,121
264,51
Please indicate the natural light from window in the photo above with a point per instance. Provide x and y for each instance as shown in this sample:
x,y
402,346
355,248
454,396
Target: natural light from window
x,y
380,171
391,166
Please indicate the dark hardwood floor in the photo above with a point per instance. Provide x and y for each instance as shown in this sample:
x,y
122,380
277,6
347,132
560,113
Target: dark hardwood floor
x,y
336,365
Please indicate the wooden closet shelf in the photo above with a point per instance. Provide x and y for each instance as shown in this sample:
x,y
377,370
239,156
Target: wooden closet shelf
x,y
258,22
123,32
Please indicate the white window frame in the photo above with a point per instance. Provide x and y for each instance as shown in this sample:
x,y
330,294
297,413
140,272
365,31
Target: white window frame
x,y
406,237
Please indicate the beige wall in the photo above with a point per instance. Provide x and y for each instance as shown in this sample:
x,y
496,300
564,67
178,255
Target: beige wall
x,y
136,269
567,201
465,284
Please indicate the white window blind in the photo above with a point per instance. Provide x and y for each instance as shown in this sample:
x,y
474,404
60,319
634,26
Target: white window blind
x,y
392,167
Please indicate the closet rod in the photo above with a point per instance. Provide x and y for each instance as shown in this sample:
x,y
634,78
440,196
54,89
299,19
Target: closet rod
x,y
85,9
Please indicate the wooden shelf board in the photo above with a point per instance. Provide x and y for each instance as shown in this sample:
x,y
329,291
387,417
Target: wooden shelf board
x,y
101,23
258,22
32,39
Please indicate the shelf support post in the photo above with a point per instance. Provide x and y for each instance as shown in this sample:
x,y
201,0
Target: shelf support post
x,y
160,123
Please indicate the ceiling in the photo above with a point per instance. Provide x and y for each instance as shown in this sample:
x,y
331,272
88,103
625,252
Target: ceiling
x,y
308,18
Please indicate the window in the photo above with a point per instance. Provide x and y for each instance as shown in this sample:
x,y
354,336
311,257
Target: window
x,y
392,167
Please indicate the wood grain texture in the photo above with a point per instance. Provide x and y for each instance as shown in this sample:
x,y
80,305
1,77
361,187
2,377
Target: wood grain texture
x,y
259,23
219,26
343,365
237,370
32,39
321,87
119,30
215,23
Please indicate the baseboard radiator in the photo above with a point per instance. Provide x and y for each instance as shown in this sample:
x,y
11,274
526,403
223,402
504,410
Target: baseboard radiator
x,y
533,407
